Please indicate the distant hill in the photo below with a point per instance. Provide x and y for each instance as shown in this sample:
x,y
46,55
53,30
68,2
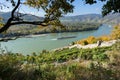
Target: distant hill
x,y
30,17
112,18
83,18
5,15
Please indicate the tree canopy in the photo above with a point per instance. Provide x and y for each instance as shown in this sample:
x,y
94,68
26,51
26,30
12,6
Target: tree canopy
x,y
110,6
53,9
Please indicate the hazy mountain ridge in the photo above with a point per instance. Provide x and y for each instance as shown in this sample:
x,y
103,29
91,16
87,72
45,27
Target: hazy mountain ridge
x,y
30,17
83,18
112,18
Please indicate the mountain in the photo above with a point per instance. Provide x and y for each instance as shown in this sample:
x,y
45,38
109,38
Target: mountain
x,y
83,18
30,17
5,15
112,18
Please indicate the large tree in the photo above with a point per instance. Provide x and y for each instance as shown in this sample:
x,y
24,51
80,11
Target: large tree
x,y
53,9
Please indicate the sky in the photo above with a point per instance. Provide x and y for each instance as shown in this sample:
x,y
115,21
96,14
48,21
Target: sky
x,y
80,8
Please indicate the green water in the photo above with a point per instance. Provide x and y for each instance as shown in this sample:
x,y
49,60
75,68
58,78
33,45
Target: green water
x,y
49,42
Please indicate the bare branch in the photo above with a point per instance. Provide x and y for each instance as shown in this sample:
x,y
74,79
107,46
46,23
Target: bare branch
x,y
8,24
13,11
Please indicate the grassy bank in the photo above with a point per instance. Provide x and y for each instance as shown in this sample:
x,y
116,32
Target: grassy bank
x,y
100,63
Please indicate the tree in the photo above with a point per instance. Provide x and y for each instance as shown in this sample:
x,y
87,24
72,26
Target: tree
x,y
53,9
110,6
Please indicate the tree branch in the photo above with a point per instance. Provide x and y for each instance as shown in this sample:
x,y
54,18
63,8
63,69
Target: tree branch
x,y
13,20
13,11
8,24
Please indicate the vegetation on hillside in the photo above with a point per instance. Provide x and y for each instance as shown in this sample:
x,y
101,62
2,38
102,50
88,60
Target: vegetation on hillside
x,y
67,64
19,30
53,10
92,64
116,32
100,63
1,24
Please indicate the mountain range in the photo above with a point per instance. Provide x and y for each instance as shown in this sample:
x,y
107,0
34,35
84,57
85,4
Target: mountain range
x,y
112,18
30,17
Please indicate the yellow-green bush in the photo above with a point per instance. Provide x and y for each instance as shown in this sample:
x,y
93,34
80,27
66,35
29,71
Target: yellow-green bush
x,y
1,24
116,32
89,40
92,39
104,38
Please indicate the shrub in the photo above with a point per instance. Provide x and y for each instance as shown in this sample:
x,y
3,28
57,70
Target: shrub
x,y
116,32
89,40
104,38
84,42
72,43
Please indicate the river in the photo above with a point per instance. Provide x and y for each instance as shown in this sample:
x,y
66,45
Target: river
x,y
49,41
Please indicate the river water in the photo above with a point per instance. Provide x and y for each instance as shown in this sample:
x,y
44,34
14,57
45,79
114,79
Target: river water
x,y
49,41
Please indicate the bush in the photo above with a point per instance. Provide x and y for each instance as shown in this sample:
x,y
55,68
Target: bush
x,y
104,38
89,40
116,32
100,57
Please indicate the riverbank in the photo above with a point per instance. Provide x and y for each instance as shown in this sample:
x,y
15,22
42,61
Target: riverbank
x,y
68,64
37,35
79,46
49,42
19,34
8,38
5,39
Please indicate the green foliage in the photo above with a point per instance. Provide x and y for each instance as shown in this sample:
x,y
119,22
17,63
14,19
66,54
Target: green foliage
x,y
30,29
100,57
110,6
1,24
9,64
80,26
54,9
60,65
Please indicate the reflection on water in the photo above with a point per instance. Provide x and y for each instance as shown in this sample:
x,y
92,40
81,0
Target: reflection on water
x,y
54,39
48,42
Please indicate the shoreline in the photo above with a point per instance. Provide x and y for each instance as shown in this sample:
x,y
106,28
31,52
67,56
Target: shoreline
x,y
34,35
90,46
5,39
14,36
